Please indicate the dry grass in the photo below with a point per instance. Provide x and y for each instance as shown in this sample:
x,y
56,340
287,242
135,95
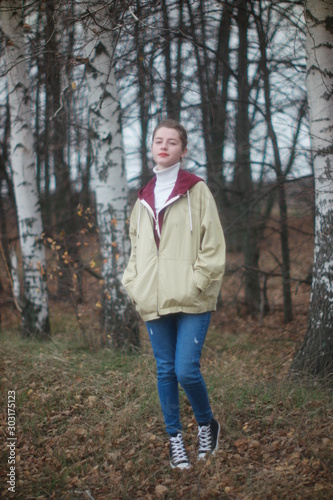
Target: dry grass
x,y
89,423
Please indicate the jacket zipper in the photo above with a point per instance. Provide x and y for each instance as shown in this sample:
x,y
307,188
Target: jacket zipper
x,y
158,281
169,202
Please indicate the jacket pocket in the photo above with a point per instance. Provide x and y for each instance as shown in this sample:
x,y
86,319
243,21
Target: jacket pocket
x,y
176,285
144,290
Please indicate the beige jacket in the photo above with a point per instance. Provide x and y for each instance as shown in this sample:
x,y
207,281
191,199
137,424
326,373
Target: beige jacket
x,y
180,267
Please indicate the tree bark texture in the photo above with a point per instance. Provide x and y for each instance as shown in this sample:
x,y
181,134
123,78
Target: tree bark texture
x,y
119,319
64,205
144,95
219,118
172,97
245,215
316,354
35,315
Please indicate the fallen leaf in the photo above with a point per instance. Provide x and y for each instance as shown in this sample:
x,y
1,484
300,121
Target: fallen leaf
x,y
161,490
241,443
254,443
91,401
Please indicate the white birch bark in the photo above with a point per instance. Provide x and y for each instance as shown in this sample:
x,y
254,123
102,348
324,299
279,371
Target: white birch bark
x,y
35,314
119,318
316,354
14,274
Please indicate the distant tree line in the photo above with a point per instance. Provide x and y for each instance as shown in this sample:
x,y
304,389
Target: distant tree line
x,y
79,73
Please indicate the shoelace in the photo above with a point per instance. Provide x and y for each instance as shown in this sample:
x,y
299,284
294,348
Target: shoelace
x,y
205,438
178,449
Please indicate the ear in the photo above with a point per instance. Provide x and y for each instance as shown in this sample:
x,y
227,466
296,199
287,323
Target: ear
x,y
184,153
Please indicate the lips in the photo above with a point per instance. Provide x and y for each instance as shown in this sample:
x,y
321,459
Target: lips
x,y
163,155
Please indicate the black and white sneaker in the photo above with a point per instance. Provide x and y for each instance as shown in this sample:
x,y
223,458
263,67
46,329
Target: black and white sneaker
x,y
208,439
178,455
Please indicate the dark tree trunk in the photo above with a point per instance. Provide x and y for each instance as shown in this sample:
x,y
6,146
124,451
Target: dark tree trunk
x,y
5,180
64,206
213,78
216,176
246,219
143,95
172,98
285,267
284,238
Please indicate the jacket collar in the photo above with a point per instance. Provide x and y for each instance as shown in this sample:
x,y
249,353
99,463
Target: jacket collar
x,y
185,181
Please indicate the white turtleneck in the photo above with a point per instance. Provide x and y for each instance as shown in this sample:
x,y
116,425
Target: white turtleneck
x,y
165,181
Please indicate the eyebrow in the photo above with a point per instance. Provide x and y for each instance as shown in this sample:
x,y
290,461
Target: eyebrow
x,y
168,139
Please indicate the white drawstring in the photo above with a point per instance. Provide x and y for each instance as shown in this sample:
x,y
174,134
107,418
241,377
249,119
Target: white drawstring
x,y
156,218
139,220
189,209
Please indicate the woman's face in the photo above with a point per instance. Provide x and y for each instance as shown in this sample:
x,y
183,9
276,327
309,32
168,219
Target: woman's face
x,y
167,148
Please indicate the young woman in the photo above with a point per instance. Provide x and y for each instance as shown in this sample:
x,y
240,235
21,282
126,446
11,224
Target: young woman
x,y
174,277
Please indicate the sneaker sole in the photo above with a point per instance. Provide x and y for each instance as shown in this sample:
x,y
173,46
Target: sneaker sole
x,y
180,466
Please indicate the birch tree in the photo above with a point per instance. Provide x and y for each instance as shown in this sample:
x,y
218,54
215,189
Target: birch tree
x,y
119,319
316,355
35,313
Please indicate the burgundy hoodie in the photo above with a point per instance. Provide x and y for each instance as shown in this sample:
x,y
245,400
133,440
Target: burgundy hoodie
x,y
185,181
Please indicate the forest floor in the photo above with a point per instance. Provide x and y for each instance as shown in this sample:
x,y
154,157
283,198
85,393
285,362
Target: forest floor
x,y
89,426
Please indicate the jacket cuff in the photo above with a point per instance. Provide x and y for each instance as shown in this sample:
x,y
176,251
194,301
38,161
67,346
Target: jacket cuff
x,y
128,287
202,281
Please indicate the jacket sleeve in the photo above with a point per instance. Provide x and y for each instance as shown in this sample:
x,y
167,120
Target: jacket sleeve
x,y
210,264
130,272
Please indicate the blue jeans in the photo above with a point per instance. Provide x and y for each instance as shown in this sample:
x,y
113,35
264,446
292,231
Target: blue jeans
x,y
177,341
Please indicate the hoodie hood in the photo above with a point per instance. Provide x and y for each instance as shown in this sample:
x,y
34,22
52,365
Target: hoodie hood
x,y
185,181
